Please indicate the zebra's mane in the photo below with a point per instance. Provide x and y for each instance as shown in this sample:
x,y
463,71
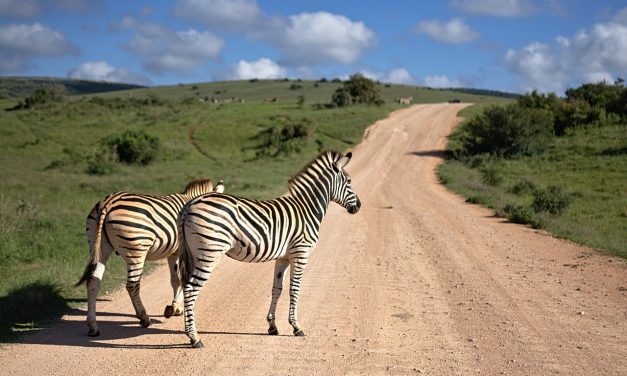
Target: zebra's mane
x,y
198,185
326,157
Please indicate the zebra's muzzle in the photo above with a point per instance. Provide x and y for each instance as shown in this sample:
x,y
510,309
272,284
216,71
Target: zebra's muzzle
x,y
353,209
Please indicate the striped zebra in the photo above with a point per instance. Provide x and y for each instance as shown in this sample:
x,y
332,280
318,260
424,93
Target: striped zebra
x,y
138,227
284,229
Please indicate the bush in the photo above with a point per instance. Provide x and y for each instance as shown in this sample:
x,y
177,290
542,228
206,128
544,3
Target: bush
x,y
357,89
42,96
507,131
490,176
296,87
523,187
100,163
552,199
289,138
341,98
133,146
521,214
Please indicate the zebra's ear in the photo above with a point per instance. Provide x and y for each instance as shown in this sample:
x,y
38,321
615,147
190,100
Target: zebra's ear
x,y
342,162
220,187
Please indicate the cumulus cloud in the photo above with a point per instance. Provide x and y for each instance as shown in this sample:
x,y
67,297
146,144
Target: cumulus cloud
x,y
441,82
262,69
318,38
20,8
591,55
395,76
233,15
33,8
21,42
454,31
302,39
163,49
103,71
498,8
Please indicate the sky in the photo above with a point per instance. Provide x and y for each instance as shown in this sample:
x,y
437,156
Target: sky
x,y
507,45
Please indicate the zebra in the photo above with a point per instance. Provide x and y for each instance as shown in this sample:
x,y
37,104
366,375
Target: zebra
x,y
284,229
138,227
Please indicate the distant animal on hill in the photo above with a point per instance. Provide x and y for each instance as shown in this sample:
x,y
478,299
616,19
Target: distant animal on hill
x,y
406,100
138,227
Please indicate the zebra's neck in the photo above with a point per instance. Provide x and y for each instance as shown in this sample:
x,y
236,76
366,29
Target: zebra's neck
x,y
312,191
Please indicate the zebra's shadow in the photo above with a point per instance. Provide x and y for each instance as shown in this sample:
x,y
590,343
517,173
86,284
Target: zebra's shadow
x,y
72,331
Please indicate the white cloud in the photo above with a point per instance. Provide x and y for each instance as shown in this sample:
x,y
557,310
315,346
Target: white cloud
x,y
498,8
454,31
163,49
103,71
591,55
20,42
302,39
234,15
441,82
318,38
20,8
262,69
395,76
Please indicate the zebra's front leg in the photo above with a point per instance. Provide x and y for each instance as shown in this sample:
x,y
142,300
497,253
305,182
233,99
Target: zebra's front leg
x,y
277,286
298,262
135,268
176,308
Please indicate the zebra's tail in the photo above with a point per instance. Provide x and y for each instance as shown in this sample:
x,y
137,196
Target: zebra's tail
x,y
186,262
94,256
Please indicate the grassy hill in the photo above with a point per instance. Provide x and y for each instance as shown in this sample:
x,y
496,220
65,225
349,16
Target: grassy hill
x,y
46,190
12,87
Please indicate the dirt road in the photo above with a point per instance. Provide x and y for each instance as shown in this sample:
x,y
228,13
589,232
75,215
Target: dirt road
x,y
418,282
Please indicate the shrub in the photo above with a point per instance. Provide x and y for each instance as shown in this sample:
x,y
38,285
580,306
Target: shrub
x,y
523,187
521,214
490,176
507,131
42,96
133,146
296,87
341,98
552,199
289,138
100,163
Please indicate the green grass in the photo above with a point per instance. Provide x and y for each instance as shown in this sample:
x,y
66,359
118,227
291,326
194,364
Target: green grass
x,y
45,192
590,165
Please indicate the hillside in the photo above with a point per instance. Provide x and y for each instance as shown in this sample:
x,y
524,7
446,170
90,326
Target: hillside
x,y
11,87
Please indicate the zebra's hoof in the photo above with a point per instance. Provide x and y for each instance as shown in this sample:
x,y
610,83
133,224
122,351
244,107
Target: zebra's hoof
x,y
299,333
198,345
168,312
93,333
273,331
145,322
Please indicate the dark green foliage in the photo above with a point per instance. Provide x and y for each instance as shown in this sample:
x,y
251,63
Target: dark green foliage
x,y
507,131
101,163
300,100
341,97
523,187
521,214
133,147
290,137
296,86
490,176
552,200
358,89
14,87
42,96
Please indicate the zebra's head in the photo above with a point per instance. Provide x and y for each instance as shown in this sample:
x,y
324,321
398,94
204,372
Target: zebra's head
x,y
342,191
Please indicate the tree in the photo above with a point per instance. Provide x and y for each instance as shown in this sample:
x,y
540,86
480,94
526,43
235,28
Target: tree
x,y
357,89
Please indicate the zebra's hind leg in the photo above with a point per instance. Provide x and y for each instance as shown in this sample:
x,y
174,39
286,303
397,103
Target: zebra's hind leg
x,y
206,261
176,308
298,262
277,286
135,269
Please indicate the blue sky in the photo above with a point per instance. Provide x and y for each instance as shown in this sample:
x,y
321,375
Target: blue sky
x,y
509,45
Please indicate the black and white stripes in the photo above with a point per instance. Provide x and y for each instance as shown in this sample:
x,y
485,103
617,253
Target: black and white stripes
x,y
138,227
284,229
